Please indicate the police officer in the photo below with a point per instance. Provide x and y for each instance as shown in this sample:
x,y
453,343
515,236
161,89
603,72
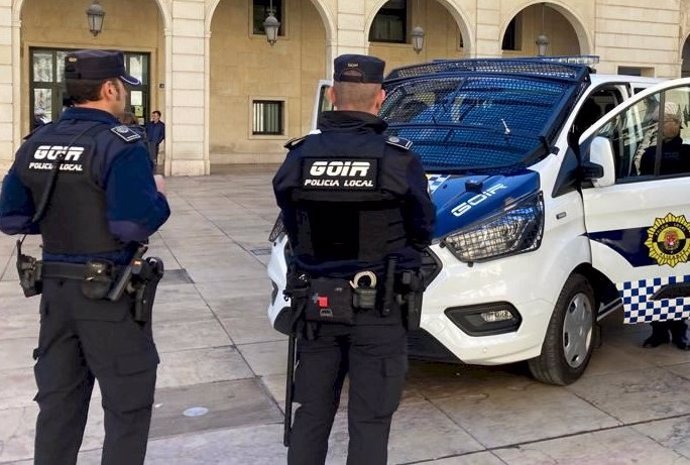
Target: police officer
x,y
104,201
358,214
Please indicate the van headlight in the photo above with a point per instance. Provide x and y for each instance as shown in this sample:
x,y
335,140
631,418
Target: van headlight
x,y
517,229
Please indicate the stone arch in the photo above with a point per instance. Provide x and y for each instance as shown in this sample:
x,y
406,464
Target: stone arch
x,y
684,57
461,19
326,17
164,7
583,35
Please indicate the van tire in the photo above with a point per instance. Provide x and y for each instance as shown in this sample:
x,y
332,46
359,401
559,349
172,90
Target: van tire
x,y
571,330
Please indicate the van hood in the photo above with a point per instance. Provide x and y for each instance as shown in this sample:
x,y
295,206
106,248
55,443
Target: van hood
x,y
463,200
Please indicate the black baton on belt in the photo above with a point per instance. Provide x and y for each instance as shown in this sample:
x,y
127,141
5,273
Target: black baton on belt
x,y
389,295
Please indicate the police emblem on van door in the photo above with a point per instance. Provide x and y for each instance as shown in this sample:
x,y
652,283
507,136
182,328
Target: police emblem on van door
x,y
340,174
668,240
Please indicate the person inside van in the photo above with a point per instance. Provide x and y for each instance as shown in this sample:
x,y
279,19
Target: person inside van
x,y
675,158
675,155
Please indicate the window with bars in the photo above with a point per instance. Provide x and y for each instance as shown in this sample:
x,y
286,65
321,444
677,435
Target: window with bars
x,y
260,9
268,117
390,23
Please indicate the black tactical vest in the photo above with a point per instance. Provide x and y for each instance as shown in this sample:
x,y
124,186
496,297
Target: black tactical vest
x,y
347,208
75,221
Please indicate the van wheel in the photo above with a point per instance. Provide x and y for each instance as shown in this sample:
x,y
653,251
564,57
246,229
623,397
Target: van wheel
x,y
569,340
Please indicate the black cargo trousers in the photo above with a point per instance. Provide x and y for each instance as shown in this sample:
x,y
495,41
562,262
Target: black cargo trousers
x,y
79,340
374,357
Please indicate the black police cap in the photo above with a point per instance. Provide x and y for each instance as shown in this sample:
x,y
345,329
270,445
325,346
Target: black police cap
x,y
358,68
96,65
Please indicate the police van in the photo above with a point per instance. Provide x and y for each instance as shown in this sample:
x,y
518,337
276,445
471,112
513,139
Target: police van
x,y
546,221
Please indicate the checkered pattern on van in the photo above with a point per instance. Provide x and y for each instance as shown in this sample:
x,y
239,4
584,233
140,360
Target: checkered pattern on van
x,y
639,307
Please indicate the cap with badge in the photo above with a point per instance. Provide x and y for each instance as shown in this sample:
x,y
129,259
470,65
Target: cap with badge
x,y
96,65
362,69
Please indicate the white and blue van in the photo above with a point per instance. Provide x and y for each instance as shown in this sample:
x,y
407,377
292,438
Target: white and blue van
x,y
545,222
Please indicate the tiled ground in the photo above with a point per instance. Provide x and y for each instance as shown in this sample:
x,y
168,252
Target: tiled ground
x,y
219,353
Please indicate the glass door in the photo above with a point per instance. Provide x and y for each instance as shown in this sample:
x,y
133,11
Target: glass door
x,y
47,88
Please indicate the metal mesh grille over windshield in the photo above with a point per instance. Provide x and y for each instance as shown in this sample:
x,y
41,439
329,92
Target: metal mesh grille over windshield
x,y
473,122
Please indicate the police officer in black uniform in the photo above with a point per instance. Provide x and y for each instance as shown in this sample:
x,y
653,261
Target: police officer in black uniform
x,y
85,184
356,207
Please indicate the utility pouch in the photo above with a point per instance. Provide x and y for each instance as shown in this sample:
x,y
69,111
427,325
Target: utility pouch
x,y
364,293
413,285
29,271
98,279
364,298
330,301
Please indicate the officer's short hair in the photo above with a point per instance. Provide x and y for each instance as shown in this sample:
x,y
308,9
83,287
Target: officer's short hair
x,y
86,90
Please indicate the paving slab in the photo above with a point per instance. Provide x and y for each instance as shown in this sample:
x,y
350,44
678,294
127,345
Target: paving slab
x,y
620,446
530,406
200,366
171,337
634,396
210,406
672,434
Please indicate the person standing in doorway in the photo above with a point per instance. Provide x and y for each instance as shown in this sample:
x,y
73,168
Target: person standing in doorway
x,y
155,134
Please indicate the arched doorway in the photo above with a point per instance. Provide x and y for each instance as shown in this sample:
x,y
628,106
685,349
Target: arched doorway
x,y
390,26
133,26
263,95
685,67
563,30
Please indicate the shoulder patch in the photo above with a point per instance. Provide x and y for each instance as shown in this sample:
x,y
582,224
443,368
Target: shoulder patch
x,y
399,142
125,133
292,143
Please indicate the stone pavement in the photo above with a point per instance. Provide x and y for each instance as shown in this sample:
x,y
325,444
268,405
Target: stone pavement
x,y
221,357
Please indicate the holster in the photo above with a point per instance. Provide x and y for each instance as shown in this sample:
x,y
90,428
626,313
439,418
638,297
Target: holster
x,y
412,284
145,278
29,271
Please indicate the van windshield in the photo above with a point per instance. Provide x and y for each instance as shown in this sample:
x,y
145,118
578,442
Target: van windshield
x,y
465,123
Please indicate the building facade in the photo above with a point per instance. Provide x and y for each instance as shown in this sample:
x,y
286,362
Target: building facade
x,y
227,96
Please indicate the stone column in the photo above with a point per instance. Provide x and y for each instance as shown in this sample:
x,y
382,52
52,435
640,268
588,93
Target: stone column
x,y
488,39
352,38
9,85
186,44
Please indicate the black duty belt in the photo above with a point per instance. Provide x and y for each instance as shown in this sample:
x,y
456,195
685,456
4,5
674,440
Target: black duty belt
x,y
64,270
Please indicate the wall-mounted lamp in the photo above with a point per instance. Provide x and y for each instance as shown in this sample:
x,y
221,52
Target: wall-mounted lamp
x,y
271,26
417,35
95,14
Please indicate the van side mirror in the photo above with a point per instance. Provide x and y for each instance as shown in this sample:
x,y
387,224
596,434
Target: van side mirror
x,y
600,169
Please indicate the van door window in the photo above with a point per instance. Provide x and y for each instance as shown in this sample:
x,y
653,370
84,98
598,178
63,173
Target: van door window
x,y
651,139
598,103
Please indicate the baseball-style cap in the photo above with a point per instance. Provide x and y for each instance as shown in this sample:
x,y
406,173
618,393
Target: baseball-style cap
x,y
96,65
363,69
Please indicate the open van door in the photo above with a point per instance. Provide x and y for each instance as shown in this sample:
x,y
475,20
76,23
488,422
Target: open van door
x,y
636,195
321,102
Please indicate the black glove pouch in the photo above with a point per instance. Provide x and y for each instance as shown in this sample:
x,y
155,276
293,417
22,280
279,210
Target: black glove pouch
x,y
98,279
330,301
